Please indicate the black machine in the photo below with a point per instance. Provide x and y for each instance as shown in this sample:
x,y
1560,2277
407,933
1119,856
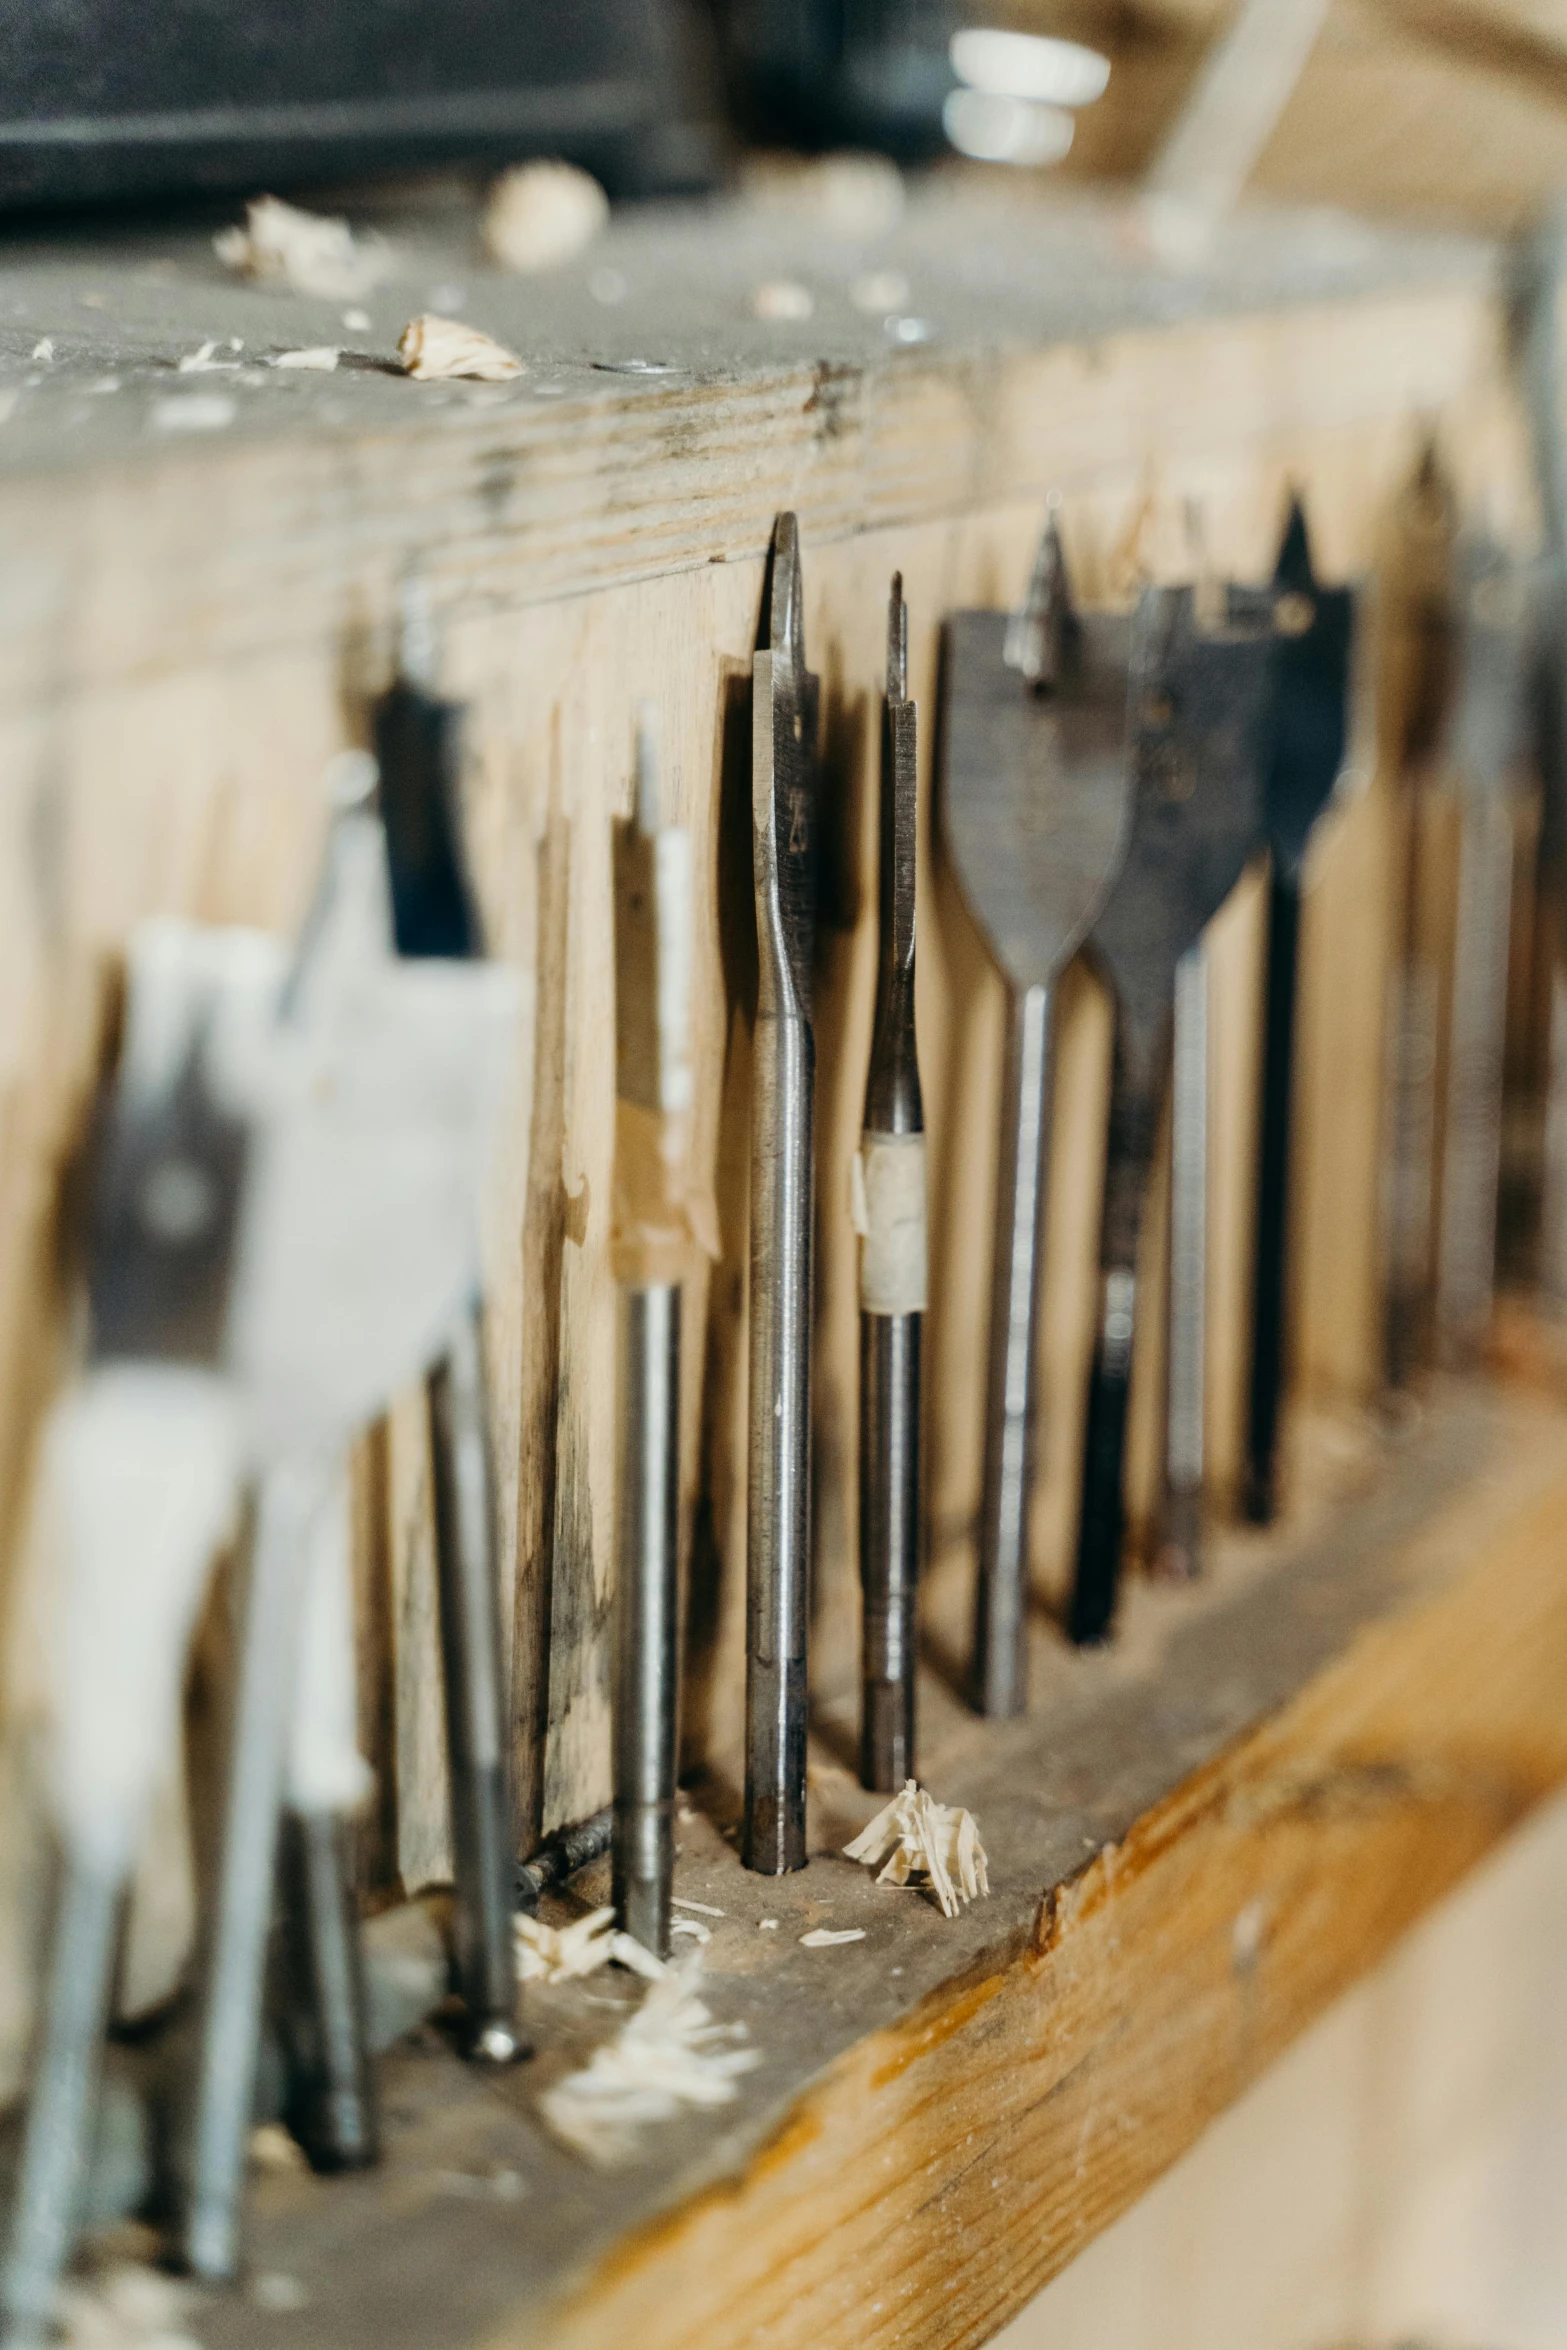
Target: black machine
x,y
102,101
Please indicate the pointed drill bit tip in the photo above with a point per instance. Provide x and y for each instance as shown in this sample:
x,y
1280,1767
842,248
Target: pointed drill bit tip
x,y
1293,569
786,592
418,644
897,642
1034,632
351,782
647,769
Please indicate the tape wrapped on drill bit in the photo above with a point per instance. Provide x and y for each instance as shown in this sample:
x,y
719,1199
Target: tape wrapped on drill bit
x,y
662,1212
887,1206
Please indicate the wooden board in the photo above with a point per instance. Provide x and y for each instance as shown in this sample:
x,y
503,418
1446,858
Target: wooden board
x,y
1196,1843
190,624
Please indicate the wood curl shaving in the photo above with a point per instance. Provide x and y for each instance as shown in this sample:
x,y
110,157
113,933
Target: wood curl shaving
x,y
542,214
559,1954
670,2058
927,1845
306,251
433,350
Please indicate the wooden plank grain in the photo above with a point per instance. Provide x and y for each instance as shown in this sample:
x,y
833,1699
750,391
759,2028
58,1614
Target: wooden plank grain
x,y
951,2164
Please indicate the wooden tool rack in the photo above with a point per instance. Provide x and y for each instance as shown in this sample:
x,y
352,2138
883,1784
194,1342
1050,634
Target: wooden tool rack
x,y
1197,1839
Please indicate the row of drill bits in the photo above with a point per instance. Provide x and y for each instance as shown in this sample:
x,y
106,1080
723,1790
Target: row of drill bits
x,y
1105,778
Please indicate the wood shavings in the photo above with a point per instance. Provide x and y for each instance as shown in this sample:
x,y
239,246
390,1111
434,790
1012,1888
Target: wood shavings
x,y
281,245
927,1845
558,1954
272,2148
196,412
780,298
320,358
768,1926
824,1938
692,1927
203,361
434,349
671,2057
541,214
879,290
44,348
126,2307
844,195
705,1908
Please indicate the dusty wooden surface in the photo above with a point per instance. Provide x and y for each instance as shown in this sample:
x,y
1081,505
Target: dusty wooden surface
x,y
191,623
1196,1843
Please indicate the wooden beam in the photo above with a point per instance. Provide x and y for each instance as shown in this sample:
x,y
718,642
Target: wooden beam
x,y
1196,1844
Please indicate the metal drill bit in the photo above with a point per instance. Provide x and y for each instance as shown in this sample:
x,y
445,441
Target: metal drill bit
x,y
1313,631
330,2096
167,1173
378,1081
1423,616
890,1177
784,708
1542,268
653,1091
1200,702
1036,795
290,1499
1488,752
1179,1554
418,742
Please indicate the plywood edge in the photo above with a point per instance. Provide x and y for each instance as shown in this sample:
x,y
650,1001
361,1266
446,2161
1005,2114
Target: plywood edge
x,y
947,2166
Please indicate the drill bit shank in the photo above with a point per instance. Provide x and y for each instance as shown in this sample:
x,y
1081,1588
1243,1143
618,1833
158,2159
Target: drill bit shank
x,y
893,1271
1198,717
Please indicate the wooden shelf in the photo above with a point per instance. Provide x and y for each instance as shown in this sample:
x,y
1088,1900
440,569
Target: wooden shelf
x,y
1196,1841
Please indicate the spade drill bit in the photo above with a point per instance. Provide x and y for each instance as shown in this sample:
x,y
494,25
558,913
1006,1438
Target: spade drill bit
x,y
784,708
1035,801
376,1082
890,1204
1313,630
1199,712
418,742
142,1457
650,1248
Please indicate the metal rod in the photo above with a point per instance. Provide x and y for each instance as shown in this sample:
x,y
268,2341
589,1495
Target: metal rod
x,y
418,738
893,1267
62,2104
1180,1550
330,2104
1001,1606
647,1617
223,2091
467,1584
1133,1136
784,711
1472,1154
1271,1230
